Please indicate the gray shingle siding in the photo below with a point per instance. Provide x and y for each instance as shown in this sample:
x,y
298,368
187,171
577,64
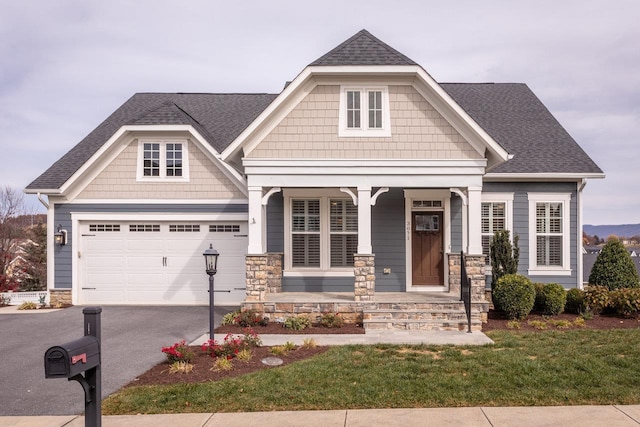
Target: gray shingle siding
x,y
388,231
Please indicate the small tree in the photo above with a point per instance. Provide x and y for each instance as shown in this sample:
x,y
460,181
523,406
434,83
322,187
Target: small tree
x,y
35,271
504,256
614,267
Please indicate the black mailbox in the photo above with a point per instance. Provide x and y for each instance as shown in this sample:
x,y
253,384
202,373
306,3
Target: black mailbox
x,y
72,358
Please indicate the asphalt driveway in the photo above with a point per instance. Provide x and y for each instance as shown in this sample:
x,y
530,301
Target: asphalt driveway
x,y
132,338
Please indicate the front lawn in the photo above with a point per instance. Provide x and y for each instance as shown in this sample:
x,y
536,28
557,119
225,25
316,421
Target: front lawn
x,y
575,367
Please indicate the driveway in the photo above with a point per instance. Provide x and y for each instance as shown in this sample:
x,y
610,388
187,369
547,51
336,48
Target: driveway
x,y
132,338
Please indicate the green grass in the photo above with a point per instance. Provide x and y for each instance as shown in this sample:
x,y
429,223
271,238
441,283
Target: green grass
x,y
576,367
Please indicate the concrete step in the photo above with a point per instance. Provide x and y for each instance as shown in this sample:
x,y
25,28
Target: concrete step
x,y
425,325
447,317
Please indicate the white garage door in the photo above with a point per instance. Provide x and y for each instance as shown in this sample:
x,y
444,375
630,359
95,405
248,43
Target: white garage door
x,y
160,262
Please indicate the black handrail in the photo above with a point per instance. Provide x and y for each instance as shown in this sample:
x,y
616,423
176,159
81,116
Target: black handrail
x,y
465,289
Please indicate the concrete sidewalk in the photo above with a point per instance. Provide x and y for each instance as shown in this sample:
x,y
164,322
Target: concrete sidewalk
x,y
610,416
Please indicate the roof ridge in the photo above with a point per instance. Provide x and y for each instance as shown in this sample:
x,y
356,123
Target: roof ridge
x,y
368,52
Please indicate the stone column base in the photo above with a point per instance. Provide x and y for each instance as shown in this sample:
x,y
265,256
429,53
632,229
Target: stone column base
x,y
365,277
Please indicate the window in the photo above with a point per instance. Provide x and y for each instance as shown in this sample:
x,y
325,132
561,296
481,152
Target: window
x,y
162,160
495,215
549,234
322,231
184,228
104,227
144,228
219,228
364,112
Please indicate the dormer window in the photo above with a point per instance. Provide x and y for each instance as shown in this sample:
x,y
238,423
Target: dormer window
x,y
163,160
364,112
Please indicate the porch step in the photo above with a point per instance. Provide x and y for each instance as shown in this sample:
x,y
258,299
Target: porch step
x,y
433,316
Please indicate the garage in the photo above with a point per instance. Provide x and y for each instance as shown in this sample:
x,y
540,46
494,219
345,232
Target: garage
x,y
159,263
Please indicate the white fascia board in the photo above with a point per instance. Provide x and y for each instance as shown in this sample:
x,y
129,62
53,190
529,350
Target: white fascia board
x,y
355,163
497,177
258,123
45,191
457,116
162,201
150,216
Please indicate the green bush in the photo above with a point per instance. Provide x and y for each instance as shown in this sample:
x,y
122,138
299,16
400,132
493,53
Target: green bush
x,y
597,298
331,320
614,267
297,323
230,317
250,318
514,294
575,301
626,301
537,305
552,299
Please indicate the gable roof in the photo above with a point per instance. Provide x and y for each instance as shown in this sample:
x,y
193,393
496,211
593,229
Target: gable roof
x,y
220,118
363,49
517,120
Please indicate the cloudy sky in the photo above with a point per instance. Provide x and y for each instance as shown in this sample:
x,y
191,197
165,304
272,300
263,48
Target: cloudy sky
x,y
66,65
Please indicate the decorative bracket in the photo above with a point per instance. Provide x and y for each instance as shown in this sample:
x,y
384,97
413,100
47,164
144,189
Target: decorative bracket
x,y
351,193
380,191
265,198
465,200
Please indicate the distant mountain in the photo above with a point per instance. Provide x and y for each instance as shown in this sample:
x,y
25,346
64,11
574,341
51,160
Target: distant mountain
x,y
604,231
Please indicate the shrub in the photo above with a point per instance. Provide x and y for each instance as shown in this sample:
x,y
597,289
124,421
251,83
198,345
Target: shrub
x,y
250,318
28,305
179,352
597,298
538,302
297,323
309,343
232,345
575,301
222,364
504,255
180,367
614,267
331,320
626,301
552,299
230,317
514,295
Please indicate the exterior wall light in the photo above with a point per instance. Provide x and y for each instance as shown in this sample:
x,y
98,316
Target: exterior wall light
x,y
60,236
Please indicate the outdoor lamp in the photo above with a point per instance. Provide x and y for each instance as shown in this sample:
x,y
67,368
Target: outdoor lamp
x,y
60,236
211,263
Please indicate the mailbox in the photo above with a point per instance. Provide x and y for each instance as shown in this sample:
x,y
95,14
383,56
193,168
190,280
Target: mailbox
x,y
72,358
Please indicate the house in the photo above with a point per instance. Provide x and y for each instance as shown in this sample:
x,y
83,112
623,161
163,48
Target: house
x,y
359,184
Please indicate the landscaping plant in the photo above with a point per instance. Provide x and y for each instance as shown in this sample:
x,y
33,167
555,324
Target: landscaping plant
x,y
179,352
514,295
552,299
504,255
626,301
231,345
297,323
331,320
597,299
575,301
614,267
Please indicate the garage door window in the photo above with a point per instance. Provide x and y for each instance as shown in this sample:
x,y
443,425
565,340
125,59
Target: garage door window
x,y
144,228
184,228
224,228
104,227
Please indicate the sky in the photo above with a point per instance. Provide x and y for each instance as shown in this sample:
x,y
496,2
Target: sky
x,y
66,65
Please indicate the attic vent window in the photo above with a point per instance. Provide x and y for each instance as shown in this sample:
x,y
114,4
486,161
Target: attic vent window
x,y
163,160
364,112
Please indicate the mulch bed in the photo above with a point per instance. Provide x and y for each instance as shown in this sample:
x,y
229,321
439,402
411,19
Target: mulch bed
x,y
159,374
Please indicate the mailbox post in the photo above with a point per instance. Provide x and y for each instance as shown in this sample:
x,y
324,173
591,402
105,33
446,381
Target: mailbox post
x,y
71,359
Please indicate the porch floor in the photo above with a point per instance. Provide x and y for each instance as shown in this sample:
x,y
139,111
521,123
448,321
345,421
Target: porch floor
x,y
380,297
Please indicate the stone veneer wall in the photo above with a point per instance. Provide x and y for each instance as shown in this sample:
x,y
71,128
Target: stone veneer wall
x,y
263,275
59,297
475,271
365,277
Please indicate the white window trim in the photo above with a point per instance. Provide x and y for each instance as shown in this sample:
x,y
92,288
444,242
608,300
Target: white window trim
x,y
506,198
325,269
364,131
565,269
140,177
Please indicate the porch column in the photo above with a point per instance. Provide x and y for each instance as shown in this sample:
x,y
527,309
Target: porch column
x,y
474,220
256,221
364,220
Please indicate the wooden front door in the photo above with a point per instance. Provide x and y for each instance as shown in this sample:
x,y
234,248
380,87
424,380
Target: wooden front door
x,y
427,249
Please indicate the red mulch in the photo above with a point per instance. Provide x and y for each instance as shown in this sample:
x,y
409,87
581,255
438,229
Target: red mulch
x,y
159,374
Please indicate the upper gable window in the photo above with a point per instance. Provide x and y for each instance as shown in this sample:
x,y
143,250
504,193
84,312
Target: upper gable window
x,y
364,112
164,160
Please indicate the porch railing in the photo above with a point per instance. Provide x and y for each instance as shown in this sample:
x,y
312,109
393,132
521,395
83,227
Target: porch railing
x,y
465,289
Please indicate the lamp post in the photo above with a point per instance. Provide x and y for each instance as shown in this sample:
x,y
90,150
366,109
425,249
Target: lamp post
x,y
211,263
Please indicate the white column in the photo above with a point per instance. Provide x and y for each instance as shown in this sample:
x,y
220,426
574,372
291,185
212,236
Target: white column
x,y
474,195
364,220
256,221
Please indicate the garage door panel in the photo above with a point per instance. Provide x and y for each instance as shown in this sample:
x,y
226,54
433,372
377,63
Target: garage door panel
x,y
162,267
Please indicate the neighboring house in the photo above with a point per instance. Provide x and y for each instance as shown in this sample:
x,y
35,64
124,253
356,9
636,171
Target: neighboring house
x,y
363,154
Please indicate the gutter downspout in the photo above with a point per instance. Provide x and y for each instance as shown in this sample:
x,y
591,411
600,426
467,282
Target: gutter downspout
x,y
44,203
579,248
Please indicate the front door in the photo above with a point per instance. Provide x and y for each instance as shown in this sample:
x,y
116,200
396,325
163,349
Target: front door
x,y
427,249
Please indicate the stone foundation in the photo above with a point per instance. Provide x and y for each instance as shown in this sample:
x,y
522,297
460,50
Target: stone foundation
x,y
475,271
59,297
274,273
351,312
364,268
263,275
